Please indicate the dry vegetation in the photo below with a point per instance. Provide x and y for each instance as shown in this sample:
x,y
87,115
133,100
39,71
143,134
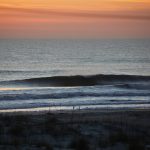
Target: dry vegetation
x,y
84,130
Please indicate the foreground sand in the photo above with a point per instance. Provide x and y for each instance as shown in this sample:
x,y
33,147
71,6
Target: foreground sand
x,y
76,130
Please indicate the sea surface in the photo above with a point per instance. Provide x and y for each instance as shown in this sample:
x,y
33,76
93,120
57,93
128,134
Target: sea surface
x,y
74,74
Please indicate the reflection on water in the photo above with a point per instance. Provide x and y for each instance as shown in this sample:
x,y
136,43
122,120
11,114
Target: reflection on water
x,y
12,88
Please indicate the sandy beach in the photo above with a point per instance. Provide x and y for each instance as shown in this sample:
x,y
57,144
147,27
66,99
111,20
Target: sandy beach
x,y
93,129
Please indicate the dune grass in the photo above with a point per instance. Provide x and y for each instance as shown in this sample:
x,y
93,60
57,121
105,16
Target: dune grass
x,y
79,131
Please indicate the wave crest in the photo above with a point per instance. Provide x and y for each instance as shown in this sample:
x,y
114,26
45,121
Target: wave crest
x,y
78,80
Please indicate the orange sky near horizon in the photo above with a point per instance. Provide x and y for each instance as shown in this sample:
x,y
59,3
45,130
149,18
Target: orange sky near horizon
x,y
74,18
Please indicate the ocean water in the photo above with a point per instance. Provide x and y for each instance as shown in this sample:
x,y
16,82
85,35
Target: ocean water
x,y
66,74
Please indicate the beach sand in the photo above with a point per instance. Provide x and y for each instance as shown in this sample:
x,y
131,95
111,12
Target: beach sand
x,y
93,129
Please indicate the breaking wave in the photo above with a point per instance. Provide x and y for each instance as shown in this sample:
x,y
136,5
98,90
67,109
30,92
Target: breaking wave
x,y
78,80
26,96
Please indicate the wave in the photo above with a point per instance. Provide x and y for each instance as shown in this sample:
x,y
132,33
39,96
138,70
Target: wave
x,y
144,86
17,71
26,96
78,80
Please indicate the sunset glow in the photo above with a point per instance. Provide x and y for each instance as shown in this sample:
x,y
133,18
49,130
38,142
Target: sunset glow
x,y
74,18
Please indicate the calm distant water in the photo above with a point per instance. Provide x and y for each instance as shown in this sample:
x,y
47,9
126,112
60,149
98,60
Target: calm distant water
x,y
34,58
27,59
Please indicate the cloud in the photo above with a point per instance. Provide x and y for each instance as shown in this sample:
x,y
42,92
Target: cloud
x,y
76,13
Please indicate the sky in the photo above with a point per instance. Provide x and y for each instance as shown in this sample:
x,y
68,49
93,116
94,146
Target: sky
x,y
74,18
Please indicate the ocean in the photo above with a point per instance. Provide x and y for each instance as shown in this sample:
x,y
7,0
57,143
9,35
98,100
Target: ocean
x,y
74,74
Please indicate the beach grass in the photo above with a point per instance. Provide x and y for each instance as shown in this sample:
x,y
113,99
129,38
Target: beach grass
x,y
84,130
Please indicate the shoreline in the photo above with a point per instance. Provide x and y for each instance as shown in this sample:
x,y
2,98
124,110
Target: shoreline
x,y
65,109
